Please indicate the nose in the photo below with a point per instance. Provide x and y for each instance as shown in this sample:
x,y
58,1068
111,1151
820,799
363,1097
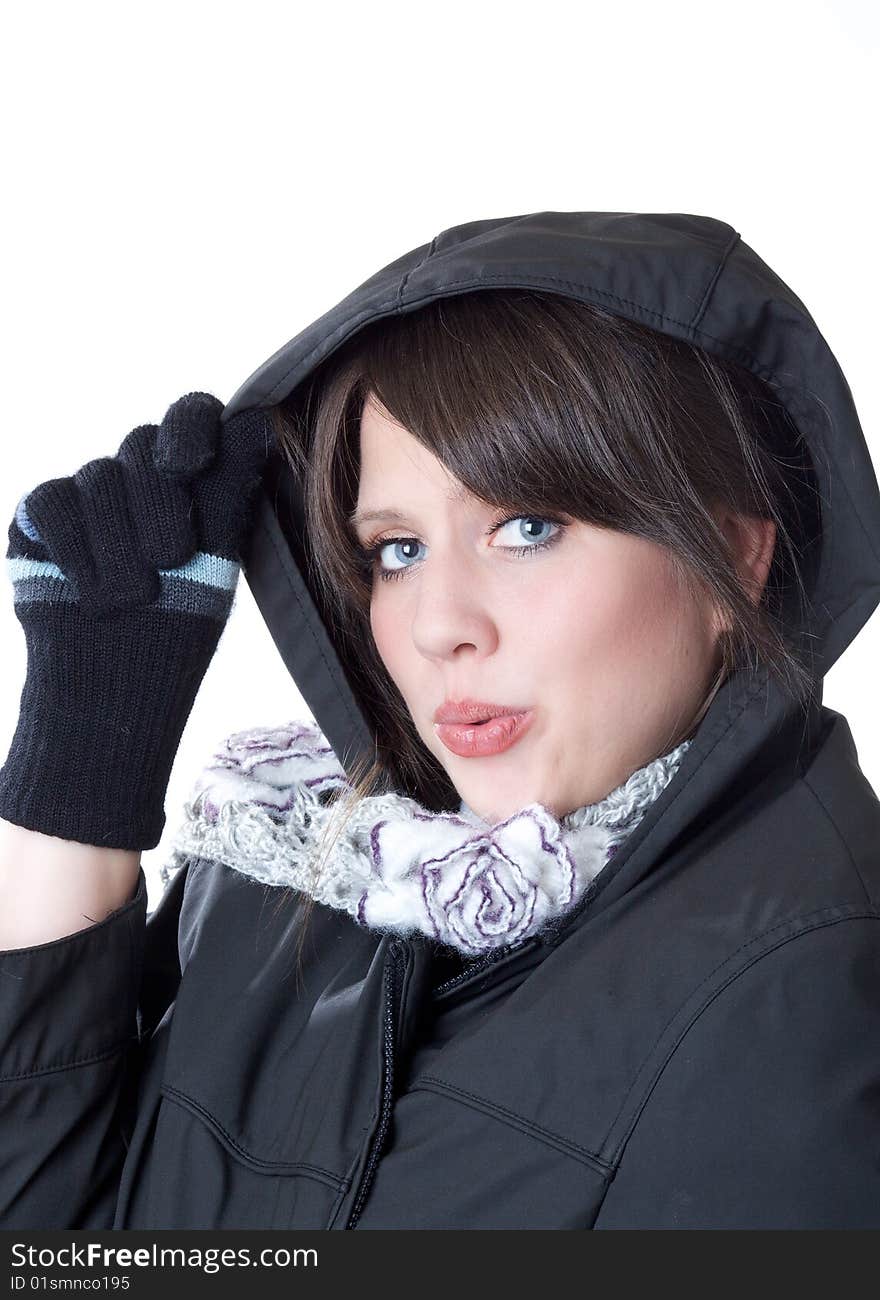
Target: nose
x,y
451,610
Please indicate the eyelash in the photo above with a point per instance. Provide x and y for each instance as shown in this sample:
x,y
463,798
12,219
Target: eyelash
x,y
373,550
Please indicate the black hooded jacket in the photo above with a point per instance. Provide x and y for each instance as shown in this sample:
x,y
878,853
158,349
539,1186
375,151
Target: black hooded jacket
x,y
699,1045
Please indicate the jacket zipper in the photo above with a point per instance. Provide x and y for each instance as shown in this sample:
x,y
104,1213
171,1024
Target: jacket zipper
x,y
481,964
472,969
392,997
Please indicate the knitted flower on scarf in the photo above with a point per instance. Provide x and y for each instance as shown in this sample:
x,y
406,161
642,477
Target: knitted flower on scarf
x,y
269,798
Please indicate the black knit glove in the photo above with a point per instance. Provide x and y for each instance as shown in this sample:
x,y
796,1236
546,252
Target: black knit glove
x,y
124,576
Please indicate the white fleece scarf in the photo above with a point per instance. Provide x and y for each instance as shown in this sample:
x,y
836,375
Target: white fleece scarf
x,y
270,795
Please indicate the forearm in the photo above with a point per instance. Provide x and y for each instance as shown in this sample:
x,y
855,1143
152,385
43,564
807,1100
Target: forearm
x,y
51,887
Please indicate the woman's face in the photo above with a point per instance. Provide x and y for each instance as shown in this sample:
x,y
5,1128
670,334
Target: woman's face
x,y
592,633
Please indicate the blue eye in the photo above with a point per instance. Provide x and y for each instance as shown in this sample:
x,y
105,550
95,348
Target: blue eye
x,y
372,554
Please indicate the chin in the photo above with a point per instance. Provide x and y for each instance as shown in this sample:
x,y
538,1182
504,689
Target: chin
x,y
495,815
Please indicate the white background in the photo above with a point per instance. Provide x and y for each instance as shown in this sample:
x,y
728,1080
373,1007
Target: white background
x,y
188,185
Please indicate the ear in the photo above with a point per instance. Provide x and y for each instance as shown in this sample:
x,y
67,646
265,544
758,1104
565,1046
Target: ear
x,y
752,541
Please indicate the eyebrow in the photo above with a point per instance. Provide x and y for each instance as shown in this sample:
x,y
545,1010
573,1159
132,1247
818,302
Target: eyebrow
x,y
358,517
366,516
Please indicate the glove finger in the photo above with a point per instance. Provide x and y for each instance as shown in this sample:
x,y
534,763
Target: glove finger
x,y
55,512
126,579
85,523
187,438
225,496
24,539
160,504
28,563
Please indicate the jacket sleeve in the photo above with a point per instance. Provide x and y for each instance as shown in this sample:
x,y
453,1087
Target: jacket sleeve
x,y
767,1112
75,1015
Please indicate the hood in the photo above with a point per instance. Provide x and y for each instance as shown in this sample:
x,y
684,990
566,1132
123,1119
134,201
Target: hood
x,y
692,277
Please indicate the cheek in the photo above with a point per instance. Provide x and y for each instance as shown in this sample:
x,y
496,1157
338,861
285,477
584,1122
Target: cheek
x,y
377,626
385,633
610,619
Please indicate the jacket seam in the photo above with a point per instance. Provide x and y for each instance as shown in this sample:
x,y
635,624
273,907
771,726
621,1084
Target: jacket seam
x,y
710,288
430,1083
412,270
614,297
186,1102
379,309
815,793
821,921
75,1064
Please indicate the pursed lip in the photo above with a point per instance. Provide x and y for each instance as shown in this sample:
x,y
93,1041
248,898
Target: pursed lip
x,y
495,736
469,710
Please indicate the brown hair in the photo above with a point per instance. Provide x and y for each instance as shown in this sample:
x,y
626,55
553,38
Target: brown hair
x,y
539,402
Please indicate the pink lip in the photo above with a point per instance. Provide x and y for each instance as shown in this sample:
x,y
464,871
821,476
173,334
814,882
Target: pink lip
x,y
468,740
472,711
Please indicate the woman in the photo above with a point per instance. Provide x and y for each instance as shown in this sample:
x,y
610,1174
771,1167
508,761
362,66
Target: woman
x,y
606,959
